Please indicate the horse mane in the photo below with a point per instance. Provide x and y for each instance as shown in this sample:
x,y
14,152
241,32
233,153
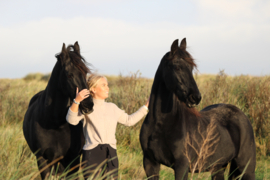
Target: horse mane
x,y
78,61
187,57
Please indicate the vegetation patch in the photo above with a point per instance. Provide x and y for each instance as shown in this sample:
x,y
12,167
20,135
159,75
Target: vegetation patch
x,y
250,94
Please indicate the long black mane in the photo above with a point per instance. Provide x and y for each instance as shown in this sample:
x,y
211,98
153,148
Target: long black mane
x,y
77,60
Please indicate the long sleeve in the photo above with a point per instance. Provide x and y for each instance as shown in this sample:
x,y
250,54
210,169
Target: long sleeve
x,y
74,118
99,126
130,120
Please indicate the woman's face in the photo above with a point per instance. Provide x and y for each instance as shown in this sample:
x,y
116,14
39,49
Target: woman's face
x,y
101,91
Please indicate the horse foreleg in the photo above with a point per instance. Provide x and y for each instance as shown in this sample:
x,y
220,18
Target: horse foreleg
x,y
151,168
74,168
181,169
42,164
219,174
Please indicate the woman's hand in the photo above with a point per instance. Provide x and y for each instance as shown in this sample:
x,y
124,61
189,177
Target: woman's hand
x,y
147,103
80,96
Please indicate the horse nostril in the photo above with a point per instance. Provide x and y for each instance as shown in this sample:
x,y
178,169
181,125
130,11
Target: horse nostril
x,y
200,98
191,99
196,98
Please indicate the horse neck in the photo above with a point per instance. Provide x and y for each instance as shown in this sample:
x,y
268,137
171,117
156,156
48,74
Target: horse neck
x,y
165,110
55,102
162,101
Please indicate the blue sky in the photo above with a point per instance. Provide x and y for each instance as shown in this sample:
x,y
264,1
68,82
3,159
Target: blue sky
x,y
123,36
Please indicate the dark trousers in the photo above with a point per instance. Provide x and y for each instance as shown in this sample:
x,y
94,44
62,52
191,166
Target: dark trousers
x,y
102,154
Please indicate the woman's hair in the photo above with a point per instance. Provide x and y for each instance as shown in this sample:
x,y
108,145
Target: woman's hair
x,y
92,81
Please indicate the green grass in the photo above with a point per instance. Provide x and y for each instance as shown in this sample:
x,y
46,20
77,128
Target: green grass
x,y
16,159
263,168
250,94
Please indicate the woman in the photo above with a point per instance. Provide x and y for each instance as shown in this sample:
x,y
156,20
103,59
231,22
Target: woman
x,y
99,126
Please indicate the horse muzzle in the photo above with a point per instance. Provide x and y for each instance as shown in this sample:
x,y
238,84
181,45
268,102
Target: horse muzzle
x,y
193,100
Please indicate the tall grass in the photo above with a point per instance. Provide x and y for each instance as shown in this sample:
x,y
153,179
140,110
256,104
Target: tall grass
x,y
204,147
129,93
16,160
250,94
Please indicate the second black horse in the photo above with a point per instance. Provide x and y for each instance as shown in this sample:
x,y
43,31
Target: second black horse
x,y
174,133
45,128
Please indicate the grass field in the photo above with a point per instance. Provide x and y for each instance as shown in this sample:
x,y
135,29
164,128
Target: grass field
x,y
250,94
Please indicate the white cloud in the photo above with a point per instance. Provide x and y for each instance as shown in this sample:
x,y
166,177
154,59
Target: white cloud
x,y
234,8
114,45
87,2
234,11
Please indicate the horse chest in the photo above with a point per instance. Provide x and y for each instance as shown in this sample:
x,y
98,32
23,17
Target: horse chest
x,y
58,139
159,148
48,134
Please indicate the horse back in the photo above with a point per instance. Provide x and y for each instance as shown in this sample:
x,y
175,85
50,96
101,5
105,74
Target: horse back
x,y
231,119
226,115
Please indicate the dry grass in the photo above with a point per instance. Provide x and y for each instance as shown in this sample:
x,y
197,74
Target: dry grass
x,y
250,94
204,144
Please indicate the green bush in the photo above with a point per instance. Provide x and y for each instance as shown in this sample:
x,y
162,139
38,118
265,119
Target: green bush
x,y
37,76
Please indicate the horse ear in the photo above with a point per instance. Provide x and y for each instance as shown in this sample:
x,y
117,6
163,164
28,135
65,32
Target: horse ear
x,y
64,54
64,50
174,47
77,47
183,44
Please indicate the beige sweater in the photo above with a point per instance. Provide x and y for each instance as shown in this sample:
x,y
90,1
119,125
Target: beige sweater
x,y
100,125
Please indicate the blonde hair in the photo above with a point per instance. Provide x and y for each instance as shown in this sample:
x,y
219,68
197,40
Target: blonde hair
x,y
92,81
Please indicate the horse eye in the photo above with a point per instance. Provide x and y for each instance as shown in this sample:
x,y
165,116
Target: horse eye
x,y
70,76
177,68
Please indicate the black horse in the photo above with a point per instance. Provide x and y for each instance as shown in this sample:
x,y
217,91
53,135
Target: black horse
x,y
45,128
174,133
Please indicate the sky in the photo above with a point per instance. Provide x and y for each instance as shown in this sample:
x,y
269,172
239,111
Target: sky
x,y
126,36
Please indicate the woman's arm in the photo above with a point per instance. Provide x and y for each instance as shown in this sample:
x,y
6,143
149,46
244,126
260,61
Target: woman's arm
x,y
79,97
130,120
73,116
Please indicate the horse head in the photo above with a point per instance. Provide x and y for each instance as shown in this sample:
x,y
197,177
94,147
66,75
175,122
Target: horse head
x,y
177,74
73,75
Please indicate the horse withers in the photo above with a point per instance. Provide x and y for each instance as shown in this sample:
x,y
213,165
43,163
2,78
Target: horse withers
x,y
176,135
45,128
